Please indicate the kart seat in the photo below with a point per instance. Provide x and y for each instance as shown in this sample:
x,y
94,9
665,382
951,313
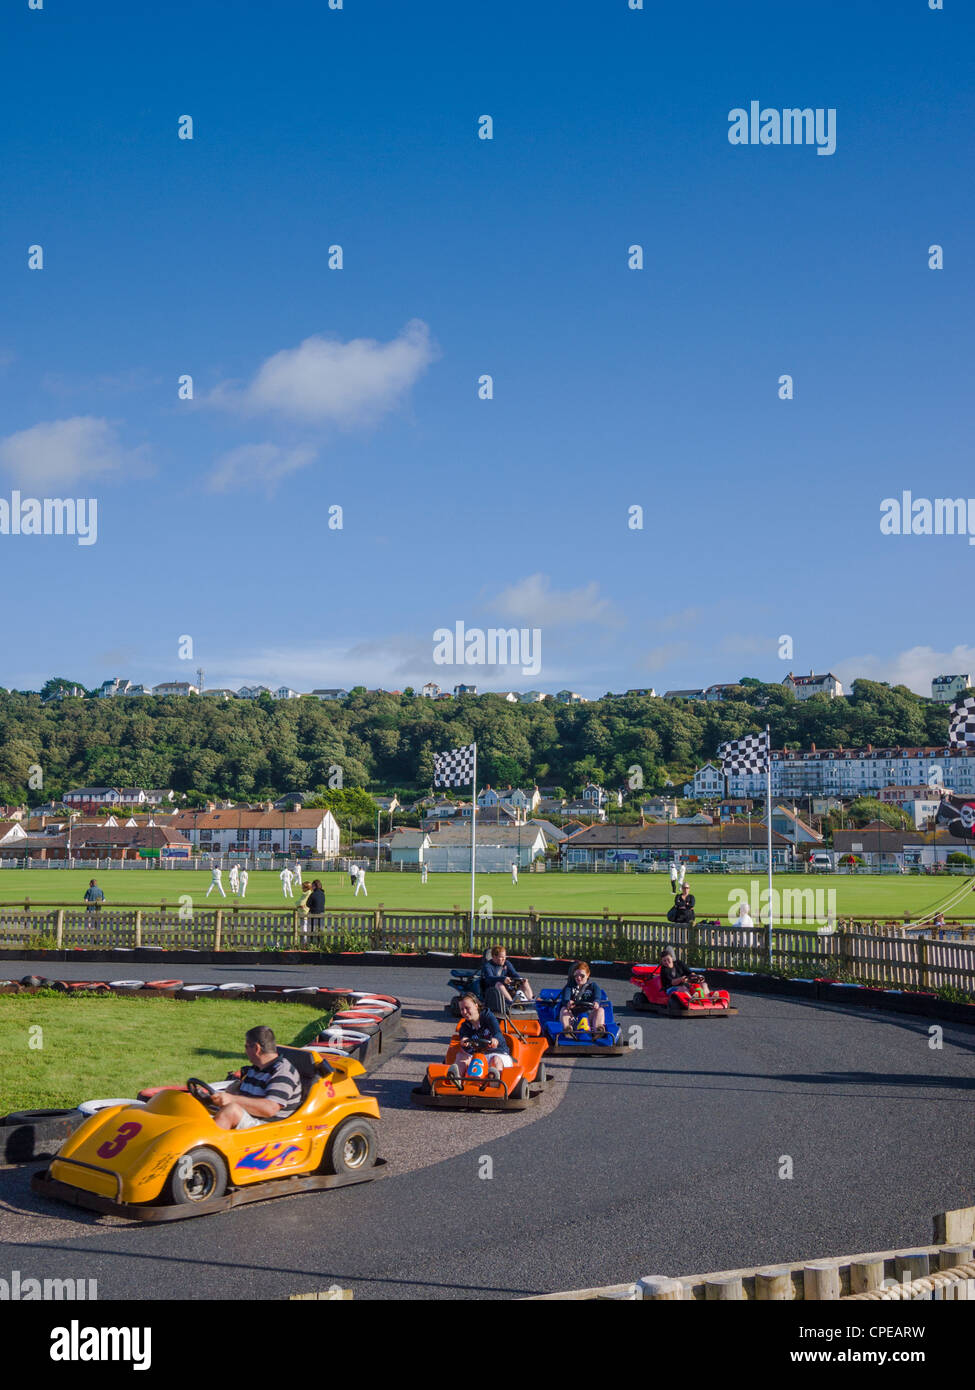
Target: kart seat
x,y
307,1068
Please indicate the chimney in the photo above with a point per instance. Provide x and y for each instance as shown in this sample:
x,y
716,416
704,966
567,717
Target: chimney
x,y
211,805
812,748
297,806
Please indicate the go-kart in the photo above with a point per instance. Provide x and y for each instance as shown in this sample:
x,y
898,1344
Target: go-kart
x,y
167,1159
468,981
517,1086
694,1001
582,1042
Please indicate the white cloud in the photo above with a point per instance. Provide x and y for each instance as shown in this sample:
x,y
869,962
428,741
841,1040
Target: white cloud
x,y
256,465
325,381
663,656
914,668
534,601
49,455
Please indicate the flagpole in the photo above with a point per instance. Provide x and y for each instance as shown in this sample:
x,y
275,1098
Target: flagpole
x,y
768,817
473,840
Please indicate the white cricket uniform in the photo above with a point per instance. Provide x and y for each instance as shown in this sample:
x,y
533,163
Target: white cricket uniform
x,y
287,878
243,883
423,873
216,881
360,882
514,873
234,879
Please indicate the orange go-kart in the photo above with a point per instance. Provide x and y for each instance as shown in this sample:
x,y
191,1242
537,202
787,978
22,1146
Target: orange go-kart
x,y
524,1041
691,1001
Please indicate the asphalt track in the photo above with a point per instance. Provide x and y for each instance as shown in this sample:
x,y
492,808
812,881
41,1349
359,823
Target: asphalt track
x,y
664,1161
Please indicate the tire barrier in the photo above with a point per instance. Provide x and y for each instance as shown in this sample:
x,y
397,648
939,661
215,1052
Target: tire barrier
x,y
369,1028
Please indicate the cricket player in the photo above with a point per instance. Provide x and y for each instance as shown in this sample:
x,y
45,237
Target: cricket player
x,y
514,873
234,877
287,879
216,881
360,881
243,883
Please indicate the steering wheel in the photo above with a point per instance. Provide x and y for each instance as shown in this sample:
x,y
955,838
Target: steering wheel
x,y
200,1090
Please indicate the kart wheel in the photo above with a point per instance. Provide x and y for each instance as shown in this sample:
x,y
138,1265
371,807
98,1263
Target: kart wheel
x,y
522,1091
639,1000
674,1008
351,1148
541,1076
204,1176
424,1088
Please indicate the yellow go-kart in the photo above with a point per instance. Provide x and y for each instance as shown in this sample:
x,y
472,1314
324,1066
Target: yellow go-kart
x,y
168,1159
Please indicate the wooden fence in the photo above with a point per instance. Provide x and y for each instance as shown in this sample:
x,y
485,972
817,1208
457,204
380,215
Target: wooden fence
x,y
864,956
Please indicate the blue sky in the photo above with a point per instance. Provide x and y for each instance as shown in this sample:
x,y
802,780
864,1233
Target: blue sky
x,y
358,387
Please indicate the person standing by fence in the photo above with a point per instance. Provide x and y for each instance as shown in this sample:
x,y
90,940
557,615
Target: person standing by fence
x,y
94,897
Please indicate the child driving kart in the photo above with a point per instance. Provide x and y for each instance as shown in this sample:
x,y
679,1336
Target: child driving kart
x,y
479,1032
500,983
579,999
675,974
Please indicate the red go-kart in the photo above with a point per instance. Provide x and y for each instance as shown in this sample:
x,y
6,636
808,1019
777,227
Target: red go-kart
x,y
690,1001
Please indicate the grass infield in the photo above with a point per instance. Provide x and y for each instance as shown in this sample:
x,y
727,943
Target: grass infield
x,y
887,896
95,1046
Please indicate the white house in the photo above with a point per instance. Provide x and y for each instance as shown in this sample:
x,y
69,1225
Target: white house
x,y
259,832
284,692
532,697
252,692
117,686
408,846
330,694
430,691
805,687
569,697
708,782
175,688
465,690
946,689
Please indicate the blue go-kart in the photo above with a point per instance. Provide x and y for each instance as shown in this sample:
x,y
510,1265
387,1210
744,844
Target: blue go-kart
x,y
581,1043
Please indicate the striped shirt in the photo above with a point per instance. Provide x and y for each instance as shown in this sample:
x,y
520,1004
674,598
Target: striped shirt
x,y
277,1081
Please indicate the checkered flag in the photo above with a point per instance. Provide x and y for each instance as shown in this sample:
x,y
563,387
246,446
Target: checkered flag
x,y
748,754
455,767
961,726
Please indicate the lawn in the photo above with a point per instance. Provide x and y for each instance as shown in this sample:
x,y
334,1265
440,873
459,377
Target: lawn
x,y
575,894
94,1046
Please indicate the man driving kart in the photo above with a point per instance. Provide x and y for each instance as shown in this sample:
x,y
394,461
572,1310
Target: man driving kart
x,y
581,997
270,1088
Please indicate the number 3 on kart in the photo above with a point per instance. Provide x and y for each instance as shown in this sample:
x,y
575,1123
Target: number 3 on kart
x,y
113,1147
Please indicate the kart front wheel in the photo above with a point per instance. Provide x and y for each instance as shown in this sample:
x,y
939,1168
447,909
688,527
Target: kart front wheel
x,y
351,1148
198,1176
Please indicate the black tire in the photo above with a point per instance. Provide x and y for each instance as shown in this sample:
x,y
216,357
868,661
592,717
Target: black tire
x,y
29,1117
674,1008
522,1091
351,1148
205,1179
424,1088
455,1006
639,1001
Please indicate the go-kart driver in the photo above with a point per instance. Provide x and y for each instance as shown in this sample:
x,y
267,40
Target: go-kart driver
x,y
270,1088
500,983
479,1032
581,996
675,974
